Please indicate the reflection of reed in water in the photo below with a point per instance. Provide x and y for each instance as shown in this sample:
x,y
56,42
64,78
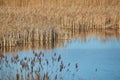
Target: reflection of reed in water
x,y
31,40
54,39
86,32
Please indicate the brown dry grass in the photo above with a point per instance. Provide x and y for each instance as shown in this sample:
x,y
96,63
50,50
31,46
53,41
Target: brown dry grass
x,y
21,16
17,19
58,2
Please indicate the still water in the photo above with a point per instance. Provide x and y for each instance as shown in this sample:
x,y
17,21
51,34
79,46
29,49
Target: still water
x,y
91,59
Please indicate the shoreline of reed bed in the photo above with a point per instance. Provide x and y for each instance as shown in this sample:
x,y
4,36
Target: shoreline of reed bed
x,y
21,22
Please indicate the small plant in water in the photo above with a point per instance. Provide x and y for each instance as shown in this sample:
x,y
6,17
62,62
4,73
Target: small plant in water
x,y
39,67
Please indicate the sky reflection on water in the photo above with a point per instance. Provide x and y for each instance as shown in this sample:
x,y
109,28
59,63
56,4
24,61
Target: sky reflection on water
x,y
96,60
93,43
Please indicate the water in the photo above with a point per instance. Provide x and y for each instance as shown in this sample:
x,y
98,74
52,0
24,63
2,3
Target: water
x,y
91,59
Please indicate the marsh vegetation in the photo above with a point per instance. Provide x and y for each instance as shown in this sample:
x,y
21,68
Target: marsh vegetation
x,y
73,30
19,25
35,67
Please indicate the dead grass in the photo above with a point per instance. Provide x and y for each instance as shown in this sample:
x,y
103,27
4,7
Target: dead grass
x,y
57,15
30,3
17,19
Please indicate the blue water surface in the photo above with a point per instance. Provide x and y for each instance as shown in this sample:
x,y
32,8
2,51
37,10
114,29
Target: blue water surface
x,y
96,59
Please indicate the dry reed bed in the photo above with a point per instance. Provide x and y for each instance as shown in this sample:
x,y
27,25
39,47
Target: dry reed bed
x,y
21,18
43,3
21,22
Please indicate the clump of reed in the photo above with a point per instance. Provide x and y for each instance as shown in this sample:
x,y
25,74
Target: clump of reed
x,y
37,67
